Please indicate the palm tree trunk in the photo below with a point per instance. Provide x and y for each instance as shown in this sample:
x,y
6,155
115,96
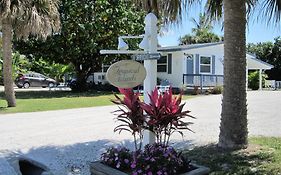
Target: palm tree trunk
x,y
233,127
7,62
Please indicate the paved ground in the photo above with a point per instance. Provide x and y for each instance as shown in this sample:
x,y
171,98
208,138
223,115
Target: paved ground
x,y
69,139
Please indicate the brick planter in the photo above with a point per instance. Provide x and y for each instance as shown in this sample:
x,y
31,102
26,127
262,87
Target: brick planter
x,y
98,168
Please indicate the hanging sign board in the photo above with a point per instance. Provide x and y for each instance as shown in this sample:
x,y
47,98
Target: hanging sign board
x,y
151,56
126,74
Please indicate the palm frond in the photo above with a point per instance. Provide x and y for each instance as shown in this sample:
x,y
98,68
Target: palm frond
x,y
4,8
214,8
166,10
272,10
38,18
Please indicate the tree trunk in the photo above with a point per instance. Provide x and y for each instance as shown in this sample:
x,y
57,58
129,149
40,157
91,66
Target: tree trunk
x,y
7,62
233,127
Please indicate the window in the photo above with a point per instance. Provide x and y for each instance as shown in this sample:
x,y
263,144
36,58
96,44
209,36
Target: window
x,y
205,64
101,77
162,64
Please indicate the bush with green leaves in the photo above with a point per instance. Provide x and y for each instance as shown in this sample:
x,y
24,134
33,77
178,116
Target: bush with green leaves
x,y
253,80
217,90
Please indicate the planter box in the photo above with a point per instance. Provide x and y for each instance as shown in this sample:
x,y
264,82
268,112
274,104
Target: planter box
x,y
98,168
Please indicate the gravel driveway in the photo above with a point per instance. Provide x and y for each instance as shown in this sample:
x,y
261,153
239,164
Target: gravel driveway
x,y
69,139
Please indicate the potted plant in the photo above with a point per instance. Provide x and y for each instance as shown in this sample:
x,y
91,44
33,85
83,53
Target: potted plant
x,y
163,116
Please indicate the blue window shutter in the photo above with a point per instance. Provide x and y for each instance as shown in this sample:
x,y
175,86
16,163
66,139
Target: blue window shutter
x,y
213,64
169,63
197,64
190,66
189,70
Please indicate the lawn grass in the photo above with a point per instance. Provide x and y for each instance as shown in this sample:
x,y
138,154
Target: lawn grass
x,y
262,157
34,101
55,100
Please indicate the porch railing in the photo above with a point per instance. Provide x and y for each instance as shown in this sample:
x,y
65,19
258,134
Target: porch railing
x,y
273,84
202,80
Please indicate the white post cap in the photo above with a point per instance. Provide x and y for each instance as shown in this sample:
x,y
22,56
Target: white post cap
x,y
150,19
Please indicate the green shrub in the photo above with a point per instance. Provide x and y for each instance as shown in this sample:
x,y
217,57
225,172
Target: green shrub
x,y
196,90
253,80
217,90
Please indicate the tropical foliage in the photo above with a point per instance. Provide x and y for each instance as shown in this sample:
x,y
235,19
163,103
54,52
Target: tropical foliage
x,y
50,69
130,114
253,80
22,18
19,64
201,33
164,115
23,64
87,27
270,53
167,11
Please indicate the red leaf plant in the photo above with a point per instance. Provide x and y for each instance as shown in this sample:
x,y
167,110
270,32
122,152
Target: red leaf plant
x,y
130,114
165,115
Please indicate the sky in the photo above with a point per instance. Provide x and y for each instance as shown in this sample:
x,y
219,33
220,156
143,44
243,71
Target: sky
x,y
257,31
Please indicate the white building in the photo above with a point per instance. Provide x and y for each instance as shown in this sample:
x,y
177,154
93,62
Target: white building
x,y
198,64
194,65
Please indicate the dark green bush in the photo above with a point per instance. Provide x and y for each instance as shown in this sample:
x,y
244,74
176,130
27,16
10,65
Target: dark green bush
x,y
253,80
217,90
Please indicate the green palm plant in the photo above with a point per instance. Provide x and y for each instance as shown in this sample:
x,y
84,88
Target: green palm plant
x,y
23,18
166,10
233,129
201,33
203,24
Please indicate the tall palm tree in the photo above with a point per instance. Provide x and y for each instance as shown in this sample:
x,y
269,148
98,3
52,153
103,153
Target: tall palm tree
x,y
22,18
233,129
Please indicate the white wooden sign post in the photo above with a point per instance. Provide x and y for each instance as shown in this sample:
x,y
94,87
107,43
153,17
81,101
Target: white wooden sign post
x,y
150,56
150,81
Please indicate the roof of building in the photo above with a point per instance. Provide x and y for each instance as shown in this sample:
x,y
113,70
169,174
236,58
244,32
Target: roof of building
x,y
202,45
254,57
187,47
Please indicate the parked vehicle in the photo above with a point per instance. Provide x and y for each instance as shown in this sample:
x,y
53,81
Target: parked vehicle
x,y
73,81
34,79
